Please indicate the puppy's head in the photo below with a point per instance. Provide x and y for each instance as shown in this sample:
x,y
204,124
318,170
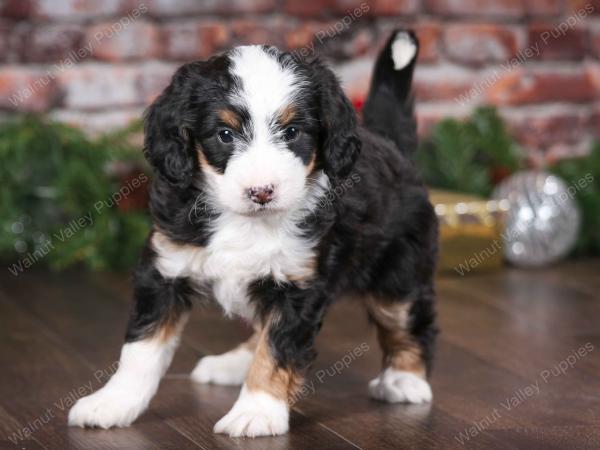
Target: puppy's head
x,y
255,126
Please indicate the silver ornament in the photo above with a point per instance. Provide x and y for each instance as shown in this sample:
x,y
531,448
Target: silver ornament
x,y
543,220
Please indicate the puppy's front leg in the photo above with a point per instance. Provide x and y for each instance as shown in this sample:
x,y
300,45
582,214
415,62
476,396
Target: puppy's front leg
x,y
283,352
152,336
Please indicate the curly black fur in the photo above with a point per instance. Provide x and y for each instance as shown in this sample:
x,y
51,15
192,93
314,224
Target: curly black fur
x,y
378,237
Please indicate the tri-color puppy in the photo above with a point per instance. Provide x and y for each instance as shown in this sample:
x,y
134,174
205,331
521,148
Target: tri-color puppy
x,y
250,149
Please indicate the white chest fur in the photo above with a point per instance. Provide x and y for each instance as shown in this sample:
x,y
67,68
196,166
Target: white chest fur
x,y
240,251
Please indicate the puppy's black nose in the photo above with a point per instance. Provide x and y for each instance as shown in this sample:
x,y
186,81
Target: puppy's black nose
x,y
261,195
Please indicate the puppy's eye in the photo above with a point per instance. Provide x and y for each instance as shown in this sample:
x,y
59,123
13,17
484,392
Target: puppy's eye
x,y
225,136
290,134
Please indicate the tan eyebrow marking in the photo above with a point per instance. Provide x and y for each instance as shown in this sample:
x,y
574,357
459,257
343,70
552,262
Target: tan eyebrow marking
x,y
311,164
287,115
204,164
229,118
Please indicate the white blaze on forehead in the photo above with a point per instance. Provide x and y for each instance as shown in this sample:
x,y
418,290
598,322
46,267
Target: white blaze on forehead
x,y
266,86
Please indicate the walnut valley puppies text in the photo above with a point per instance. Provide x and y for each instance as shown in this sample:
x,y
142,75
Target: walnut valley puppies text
x,y
76,225
525,393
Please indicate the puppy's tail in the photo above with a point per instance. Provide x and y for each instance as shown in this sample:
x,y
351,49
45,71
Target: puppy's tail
x,y
389,110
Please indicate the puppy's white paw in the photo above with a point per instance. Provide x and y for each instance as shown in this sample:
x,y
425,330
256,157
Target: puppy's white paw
x,y
228,369
403,50
107,408
255,414
396,386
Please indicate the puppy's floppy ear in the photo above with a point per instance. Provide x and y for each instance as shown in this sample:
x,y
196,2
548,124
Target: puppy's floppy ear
x,y
167,144
339,141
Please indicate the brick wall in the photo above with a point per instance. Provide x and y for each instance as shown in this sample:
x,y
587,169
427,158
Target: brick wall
x,y
99,63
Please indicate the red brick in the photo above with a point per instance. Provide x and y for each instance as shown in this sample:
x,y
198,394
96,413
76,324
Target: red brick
x,y
478,44
352,9
136,40
359,42
544,7
49,43
244,6
394,7
194,40
355,77
558,41
428,114
245,32
595,122
595,41
593,71
488,8
17,9
561,150
95,86
519,87
98,122
304,36
26,89
331,39
154,77
6,30
548,129
177,8
307,8
343,43
77,9
587,7
442,83
428,33
187,8
429,41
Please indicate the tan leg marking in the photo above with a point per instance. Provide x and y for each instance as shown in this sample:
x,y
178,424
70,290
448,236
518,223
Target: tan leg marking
x,y
171,325
400,351
264,375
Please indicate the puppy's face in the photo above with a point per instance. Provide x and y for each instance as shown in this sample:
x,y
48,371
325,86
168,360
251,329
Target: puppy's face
x,y
257,140
255,126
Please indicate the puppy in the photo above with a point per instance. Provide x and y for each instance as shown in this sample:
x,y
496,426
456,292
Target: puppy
x,y
270,200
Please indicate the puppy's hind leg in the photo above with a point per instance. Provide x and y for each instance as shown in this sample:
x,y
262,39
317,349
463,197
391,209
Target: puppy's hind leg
x,y
229,368
406,334
153,333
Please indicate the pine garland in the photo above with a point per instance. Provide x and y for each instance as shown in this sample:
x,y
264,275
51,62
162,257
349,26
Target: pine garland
x,y
54,180
469,156
65,199
582,175
472,156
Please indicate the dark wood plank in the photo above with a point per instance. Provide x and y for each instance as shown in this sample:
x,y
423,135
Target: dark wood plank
x,y
209,332
552,438
175,404
537,299
40,380
341,400
500,330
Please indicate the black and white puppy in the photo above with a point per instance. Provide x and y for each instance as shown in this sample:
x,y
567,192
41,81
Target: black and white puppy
x,y
271,200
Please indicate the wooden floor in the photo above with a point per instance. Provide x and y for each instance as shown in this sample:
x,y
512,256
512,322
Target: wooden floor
x,y
517,366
